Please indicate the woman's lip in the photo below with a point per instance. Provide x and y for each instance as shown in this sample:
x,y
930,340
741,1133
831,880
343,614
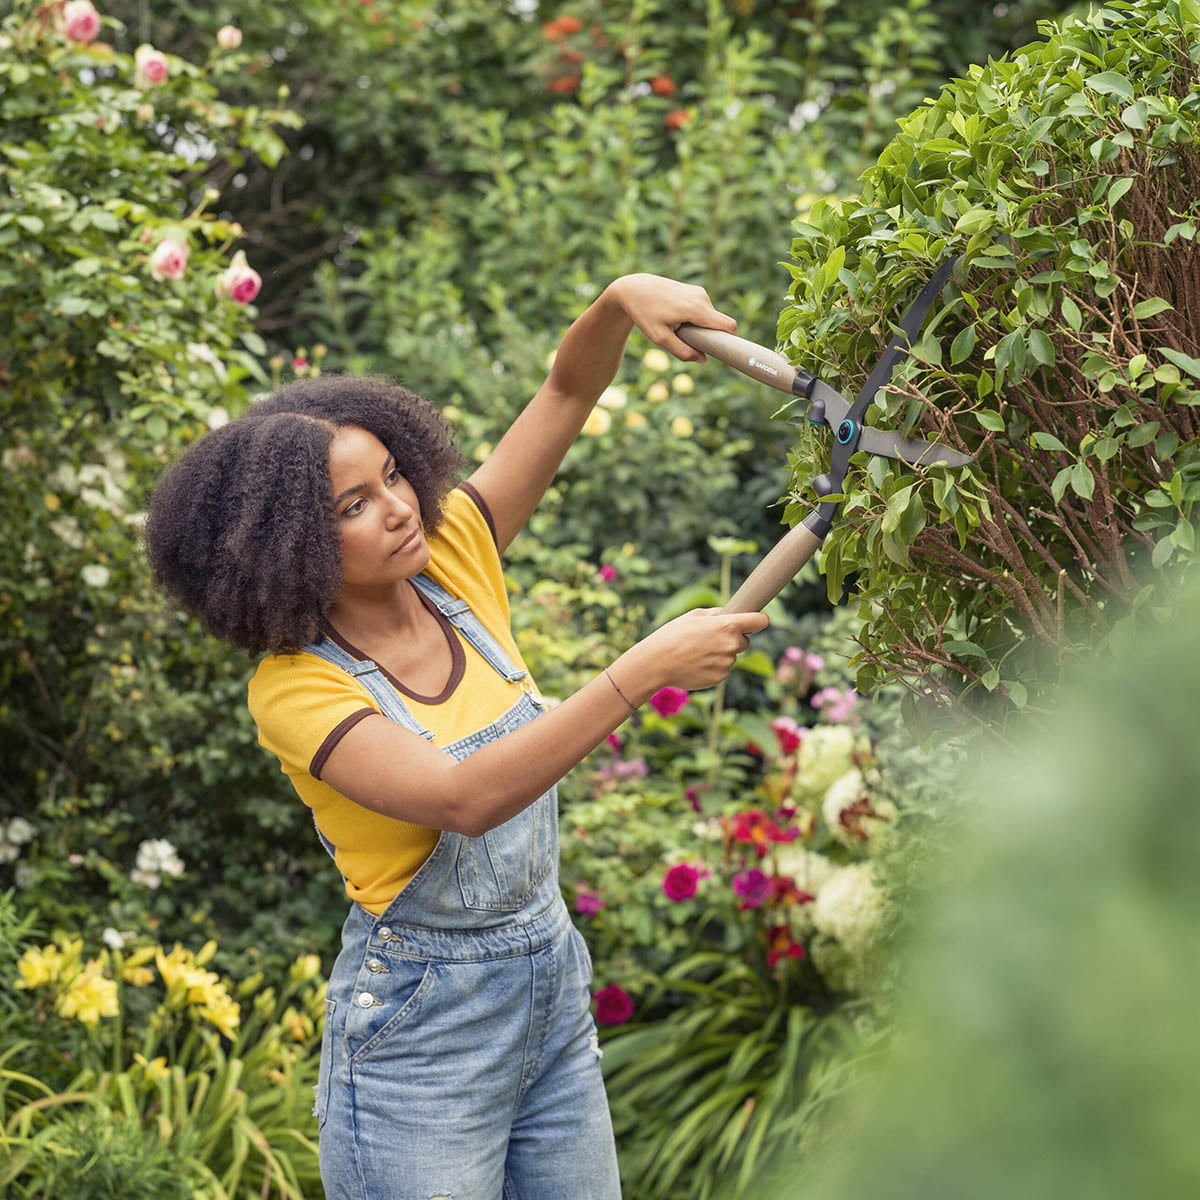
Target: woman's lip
x,y
408,542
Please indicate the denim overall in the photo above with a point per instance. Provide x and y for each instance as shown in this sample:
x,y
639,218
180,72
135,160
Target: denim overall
x,y
459,1059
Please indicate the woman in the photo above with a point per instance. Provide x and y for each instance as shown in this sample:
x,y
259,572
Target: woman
x,y
459,1057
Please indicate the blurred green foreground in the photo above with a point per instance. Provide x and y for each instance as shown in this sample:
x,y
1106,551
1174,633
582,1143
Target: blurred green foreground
x,y
1048,1043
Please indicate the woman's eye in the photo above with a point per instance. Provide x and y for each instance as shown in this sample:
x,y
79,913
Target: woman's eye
x,y
392,476
354,509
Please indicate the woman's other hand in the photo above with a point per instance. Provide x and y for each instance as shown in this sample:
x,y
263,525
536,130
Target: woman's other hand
x,y
658,306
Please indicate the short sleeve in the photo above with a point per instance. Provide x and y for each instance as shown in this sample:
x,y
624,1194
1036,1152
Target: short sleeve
x,y
303,706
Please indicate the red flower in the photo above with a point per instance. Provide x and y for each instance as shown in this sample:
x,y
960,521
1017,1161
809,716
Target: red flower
x,y
681,882
565,83
780,945
785,891
790,734
754,887
613,1005
662,85
755,828
677,118
570,25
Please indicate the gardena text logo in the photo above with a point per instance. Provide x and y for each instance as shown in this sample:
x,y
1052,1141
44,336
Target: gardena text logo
x,y
762,366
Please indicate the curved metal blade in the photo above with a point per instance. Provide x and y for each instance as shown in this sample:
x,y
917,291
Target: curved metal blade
x,y
910,450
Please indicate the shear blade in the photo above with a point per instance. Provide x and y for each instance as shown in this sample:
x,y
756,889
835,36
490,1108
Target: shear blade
x,y
910,450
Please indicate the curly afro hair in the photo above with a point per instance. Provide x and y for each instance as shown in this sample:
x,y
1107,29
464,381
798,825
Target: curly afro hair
x,y
241,531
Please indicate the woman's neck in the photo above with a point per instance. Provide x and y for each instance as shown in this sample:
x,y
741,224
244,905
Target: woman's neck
x,y
371,613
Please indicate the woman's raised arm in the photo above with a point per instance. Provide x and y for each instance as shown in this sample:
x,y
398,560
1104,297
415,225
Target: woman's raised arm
x,y
516,474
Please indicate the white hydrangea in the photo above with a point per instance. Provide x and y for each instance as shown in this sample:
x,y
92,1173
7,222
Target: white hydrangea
x,y
155,858
68,529
849,907
825,755
844,793
808,869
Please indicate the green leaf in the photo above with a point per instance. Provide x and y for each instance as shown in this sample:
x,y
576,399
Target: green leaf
x,y
1118,189
1135,115
1083,482
1151,307
1061,481
963,344
33,225
1109,83
895,509
990,420
72,306
1183,361
757,663
1017,693
1047,441
1041,348
253,342
1071,313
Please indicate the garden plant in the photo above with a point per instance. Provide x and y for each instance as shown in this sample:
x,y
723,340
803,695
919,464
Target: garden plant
x,y
173,246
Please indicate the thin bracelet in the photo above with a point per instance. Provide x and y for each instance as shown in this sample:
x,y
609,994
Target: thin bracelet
x,y
619,692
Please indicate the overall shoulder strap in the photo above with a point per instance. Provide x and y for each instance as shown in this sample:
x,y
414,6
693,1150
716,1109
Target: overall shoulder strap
x,y
371,677
458,613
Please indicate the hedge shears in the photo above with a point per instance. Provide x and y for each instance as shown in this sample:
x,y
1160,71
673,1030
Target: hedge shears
x,y
826,407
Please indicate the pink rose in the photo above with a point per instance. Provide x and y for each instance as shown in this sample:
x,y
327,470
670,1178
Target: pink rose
x,y
240,282
837,704
613,1005
229,37
608,574
681,882
754,887
668,701
152,66
169,259
79,21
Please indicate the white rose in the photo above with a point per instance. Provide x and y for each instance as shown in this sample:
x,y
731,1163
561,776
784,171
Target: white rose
x,y
613,397
95,575
19,831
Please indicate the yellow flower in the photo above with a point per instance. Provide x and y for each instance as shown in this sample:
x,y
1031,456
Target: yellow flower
x,y
684,384
657,391
138,976
299,1025
482,452
89,997
656,359
634,420
598,422
156,1068
682,427
222,1011
39,966
306,967
451,413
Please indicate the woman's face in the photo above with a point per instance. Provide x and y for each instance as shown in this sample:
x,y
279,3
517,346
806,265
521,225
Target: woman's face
x,y
377,512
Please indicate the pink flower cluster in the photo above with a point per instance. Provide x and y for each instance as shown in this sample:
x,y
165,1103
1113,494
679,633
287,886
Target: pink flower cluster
x,y
239,282
587,902
835,703
795,663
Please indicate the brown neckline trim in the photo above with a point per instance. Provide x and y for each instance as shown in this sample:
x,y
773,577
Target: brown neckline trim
x,y
482,505
458,659
336,734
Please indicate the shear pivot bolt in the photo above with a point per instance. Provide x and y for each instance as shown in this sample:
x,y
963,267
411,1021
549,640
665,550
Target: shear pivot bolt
x,y
845,431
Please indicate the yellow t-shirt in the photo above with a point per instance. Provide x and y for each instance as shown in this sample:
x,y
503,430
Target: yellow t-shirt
x,y
303,705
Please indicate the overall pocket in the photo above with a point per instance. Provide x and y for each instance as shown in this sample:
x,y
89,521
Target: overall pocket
x,y
389,993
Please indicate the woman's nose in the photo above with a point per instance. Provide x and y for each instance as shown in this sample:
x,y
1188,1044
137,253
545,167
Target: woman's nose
x,y
400,510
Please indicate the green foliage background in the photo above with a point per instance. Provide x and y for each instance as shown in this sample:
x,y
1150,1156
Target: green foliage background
x,y
423,204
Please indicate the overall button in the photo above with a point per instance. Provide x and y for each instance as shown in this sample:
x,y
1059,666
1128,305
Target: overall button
x,y
366,1000
375,966
385,933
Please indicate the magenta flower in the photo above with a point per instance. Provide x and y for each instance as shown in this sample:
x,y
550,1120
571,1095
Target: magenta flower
x,y
587,902
667,701
681,882
754,887
608,574
614,740
613,1005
